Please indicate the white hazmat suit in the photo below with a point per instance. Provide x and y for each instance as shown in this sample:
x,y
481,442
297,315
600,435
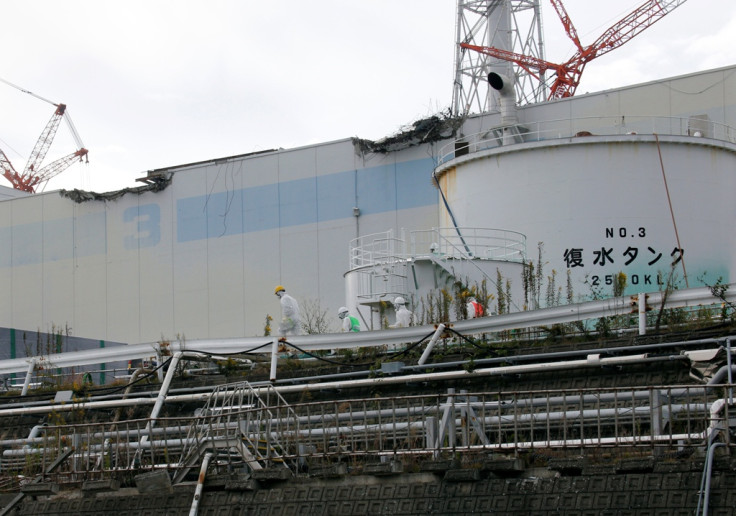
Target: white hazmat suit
x,y
290,317
403,314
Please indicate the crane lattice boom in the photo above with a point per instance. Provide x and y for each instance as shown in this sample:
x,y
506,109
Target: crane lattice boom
x,y
568,74
33,174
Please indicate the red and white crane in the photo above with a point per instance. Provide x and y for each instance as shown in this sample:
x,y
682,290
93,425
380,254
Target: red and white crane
x,y
568,73
34,174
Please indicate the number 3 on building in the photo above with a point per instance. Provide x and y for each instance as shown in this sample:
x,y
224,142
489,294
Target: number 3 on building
x,y
148,227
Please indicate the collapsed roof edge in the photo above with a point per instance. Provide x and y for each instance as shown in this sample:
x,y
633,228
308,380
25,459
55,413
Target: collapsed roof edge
x,y
426,130
79,196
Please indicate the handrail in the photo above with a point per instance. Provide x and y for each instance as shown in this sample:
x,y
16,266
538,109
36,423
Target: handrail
x,y
483,243
548,130
412,425
379,260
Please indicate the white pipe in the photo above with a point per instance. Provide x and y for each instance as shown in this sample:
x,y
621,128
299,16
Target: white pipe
x,y
715,408
35,431
161,398
526,403
29,374
642,313
431,344
159,370
168,444
200,484
132,381
492,422
575,443
166,384
348,384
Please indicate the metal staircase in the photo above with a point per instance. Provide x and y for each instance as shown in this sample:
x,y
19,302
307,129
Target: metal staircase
x,y
243,427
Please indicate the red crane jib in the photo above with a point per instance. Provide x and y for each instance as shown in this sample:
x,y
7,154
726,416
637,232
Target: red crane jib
x,y
568,73
33,174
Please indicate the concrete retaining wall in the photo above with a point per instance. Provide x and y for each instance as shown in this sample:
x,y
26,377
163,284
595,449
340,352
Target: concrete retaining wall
x,y
669,489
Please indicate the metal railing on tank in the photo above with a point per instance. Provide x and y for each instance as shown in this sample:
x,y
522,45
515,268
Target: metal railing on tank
x,y
549,130
379,261
464,242
469,242
376,248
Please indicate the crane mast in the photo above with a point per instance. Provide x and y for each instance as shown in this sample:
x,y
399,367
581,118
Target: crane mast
x,y
34,174
568,74
514,25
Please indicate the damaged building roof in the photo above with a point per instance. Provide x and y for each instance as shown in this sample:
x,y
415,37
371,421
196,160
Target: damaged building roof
x,y
434,128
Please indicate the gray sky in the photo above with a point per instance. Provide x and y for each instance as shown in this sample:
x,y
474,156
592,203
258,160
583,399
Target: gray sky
x,y
156,83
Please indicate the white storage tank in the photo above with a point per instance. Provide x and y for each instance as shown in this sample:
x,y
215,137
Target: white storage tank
x,y
624,195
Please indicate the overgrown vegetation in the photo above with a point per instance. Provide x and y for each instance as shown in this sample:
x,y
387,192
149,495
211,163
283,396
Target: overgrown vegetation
x,y
314,318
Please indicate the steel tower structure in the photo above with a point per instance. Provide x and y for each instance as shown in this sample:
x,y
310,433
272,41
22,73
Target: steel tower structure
x,y
513,25
567,74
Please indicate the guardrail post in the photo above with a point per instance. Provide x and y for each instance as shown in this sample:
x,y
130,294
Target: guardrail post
x,y
430,432
730,376
656,426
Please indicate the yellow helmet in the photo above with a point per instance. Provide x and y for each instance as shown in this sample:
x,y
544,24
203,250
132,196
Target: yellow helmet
x,y
278,289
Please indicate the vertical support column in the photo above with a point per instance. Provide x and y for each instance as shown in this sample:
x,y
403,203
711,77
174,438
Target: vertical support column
x,y
655,402
431,437
642,313
447,425
59,347
464,418
12,350
102,366
159,360
730,375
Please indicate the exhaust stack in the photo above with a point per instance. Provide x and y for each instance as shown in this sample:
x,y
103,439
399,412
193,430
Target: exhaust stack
x,y
505,87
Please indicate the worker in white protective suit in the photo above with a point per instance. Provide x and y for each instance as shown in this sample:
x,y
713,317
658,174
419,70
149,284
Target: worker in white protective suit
x,y
474,308
349,323
403,314
290,320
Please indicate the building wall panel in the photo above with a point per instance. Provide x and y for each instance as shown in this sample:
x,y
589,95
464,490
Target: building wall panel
x,y
89,269
58,246
6,256
154,217
201,257
123,266
26,241
335,157
262,272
